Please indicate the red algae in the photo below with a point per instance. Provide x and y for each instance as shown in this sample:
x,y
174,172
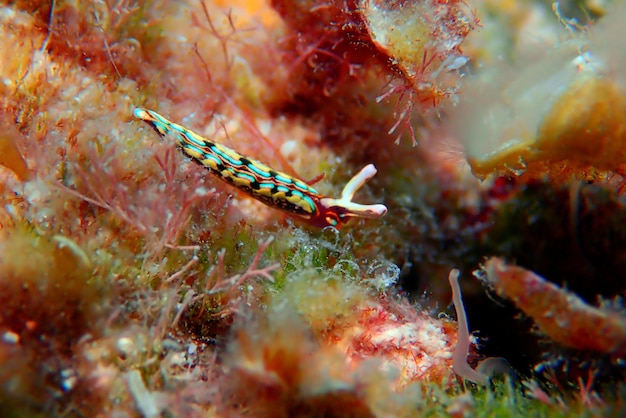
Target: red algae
x,y
417,346
423,39
364,325
276,368
357,52
133,284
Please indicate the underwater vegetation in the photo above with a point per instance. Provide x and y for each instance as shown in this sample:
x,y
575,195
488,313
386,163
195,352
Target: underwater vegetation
x,y
370,164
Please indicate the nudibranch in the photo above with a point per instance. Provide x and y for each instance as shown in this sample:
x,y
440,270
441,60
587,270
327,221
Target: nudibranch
x,y
272,187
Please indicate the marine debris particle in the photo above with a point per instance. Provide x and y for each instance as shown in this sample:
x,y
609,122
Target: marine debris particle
x,y
559,314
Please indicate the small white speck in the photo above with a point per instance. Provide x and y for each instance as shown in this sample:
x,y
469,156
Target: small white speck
x,y
192,348
203,191
124,345
10,337
289,149
69,379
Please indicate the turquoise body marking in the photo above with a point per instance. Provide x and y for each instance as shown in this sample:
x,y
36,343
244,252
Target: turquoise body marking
x,y
283,179
222,154
260,172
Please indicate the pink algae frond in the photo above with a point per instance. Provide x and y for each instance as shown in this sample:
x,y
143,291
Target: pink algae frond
x,y
423,40
535,391
589,398
223,36
157,210
318,57
229,292
253,270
